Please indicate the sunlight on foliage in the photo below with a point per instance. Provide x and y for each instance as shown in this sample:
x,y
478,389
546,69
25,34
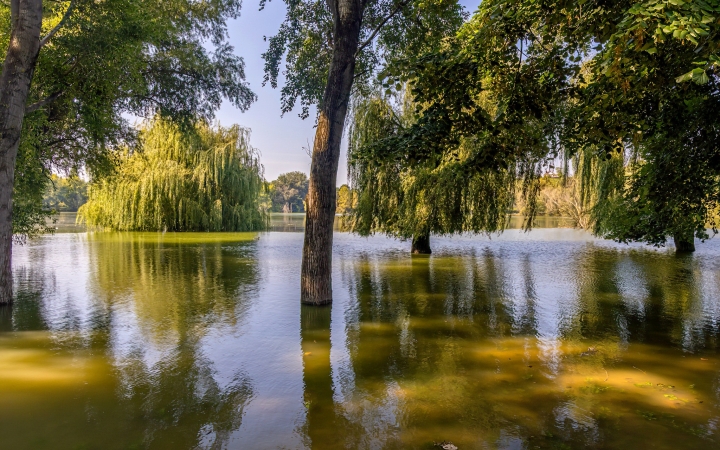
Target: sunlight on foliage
x,y
206,180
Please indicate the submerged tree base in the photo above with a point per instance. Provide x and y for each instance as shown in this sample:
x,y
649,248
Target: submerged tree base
x,y
683,245
421,245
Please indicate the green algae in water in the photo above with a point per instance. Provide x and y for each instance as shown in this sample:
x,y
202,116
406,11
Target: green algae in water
x,y
542,340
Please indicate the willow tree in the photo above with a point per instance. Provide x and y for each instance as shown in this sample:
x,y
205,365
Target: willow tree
x,y
640,83
72,72
483,121
328,47
647,114
453,193
206,180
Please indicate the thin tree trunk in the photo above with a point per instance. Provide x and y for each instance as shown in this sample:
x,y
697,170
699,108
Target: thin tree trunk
x,y
316,281
421,245
17,72
684,244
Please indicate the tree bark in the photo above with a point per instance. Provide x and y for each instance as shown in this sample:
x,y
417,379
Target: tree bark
x,y
17,73
684,244
316,272
421,245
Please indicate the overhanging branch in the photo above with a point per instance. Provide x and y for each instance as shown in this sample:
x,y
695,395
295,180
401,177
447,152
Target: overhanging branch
x,y
55,29
37,105
377,29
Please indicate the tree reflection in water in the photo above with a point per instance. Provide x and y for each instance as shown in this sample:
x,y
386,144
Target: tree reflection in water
x,y
193,341
487,350
132,360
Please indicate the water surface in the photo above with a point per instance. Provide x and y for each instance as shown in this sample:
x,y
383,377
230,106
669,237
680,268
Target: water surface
x,y
549,339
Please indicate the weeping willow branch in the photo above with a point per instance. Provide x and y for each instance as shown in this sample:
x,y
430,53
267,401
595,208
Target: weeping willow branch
x,y
452,193
206,180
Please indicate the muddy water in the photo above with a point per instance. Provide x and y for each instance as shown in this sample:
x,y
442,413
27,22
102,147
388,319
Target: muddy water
x,y
549,339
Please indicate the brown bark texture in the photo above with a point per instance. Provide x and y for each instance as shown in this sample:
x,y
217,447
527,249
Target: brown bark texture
x,y
421,245
17,73
316,272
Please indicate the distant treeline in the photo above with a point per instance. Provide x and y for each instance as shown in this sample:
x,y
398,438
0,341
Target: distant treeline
x,y
287,194
558,197
65,193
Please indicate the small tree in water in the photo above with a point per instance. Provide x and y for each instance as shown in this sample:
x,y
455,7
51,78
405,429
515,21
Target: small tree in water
x,y
206,180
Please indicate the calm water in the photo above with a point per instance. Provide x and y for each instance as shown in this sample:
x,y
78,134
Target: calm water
x,y
548,339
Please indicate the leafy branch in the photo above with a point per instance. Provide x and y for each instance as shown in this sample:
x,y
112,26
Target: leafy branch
x,y
57,27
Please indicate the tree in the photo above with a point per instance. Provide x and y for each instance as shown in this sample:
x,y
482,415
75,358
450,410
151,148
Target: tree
x,y
346,200
100,61
412,200
611,85
65,194
289,191
329,47
208,180
647,125
17,72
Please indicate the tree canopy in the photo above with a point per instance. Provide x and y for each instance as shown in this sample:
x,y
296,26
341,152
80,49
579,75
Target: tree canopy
x,y
288,192
390,30
206,179
626,90
109,61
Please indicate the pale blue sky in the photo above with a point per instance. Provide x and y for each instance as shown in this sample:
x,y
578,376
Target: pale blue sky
x,y
279,139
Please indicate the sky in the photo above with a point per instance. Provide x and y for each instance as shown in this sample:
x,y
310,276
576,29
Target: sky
x,y
280,140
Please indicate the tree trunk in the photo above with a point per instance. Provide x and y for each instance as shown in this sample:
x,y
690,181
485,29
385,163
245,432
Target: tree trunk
x,y
684,244
421,245
316,282
17,72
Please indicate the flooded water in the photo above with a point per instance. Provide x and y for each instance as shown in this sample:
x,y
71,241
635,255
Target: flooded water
x,y
549,339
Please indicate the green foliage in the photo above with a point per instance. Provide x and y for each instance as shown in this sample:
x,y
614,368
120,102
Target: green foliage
x,y
304,43
115,59
602,85
208,179
65,193
403,199
288,192
30,217
346,200
668,186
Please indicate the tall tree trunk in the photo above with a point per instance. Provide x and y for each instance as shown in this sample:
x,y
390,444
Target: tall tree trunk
x,y
17,72
316,281
684,244
421,244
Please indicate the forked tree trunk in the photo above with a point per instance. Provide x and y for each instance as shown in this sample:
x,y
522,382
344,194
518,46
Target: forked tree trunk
x,y
684,244
17,72
421,245
316,281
